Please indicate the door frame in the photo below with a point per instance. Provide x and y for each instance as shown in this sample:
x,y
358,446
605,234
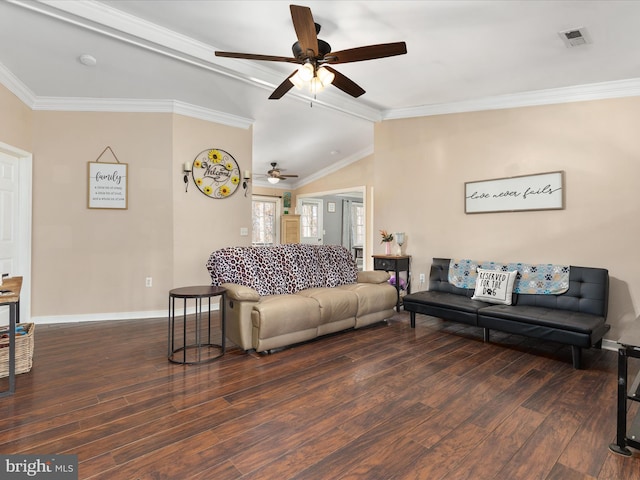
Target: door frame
x,y
320,203
25,207
367,200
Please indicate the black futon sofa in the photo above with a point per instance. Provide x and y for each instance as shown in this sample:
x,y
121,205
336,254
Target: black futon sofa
x,y
576,317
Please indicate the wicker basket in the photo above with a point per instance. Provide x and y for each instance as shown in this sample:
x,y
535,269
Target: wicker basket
x,y
24,351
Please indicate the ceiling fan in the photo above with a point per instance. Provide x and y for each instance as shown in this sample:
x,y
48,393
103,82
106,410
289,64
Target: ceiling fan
x,y
314,56
274,175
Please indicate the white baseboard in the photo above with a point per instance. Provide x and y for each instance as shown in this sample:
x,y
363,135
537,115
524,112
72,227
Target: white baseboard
x,y
101,317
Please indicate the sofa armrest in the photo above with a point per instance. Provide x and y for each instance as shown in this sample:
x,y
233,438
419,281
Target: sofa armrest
x,y
373,276
241,293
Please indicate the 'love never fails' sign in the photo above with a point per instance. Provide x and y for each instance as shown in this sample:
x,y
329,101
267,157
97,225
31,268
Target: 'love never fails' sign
x,y
543,191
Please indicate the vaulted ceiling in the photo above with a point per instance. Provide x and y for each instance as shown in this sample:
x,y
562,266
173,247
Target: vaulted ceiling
x,y
462,55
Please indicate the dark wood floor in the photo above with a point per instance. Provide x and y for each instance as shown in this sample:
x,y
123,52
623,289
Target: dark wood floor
x,y
386,402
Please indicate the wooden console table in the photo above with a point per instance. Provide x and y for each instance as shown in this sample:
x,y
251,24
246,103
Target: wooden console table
x,y
396,264
12,299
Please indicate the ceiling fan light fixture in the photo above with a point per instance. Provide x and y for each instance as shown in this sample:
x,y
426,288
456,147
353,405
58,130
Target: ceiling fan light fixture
x,y
316,86
325,76
273,180
306,72
297,81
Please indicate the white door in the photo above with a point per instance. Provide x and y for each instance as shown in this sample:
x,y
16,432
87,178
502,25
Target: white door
x,y
9,218
311,227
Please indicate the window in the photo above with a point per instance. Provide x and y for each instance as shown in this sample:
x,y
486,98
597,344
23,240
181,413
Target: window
x,y
309,219
265,211
357,224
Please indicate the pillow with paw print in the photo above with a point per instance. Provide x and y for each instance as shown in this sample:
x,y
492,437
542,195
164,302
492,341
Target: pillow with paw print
x,y
494,286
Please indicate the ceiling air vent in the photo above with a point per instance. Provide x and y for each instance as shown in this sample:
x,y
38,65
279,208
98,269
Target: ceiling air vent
x,y
575,37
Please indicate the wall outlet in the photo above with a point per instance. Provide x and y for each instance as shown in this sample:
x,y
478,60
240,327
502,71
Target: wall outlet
x,y
422,278
148,282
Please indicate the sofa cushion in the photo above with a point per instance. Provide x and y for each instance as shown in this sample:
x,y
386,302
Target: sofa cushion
x,y
372,297
335,304
373,276
494,286
547,317
276,315
445,300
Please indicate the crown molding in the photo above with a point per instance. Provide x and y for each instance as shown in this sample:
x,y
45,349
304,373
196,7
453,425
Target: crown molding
x,y
15,86
578,93
119,105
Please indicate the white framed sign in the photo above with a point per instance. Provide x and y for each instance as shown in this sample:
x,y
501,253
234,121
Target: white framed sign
x,y
542,191
108,185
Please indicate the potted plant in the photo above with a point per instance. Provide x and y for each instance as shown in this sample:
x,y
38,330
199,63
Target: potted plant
x,y
387,238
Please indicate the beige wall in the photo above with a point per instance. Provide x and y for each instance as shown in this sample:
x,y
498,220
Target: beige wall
x,y
202,224
421,166
93,263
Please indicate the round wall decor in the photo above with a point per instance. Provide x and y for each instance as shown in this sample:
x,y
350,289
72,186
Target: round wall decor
x,y
216,173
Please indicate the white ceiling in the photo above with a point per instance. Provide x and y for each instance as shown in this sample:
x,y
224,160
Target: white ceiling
x,y
462,55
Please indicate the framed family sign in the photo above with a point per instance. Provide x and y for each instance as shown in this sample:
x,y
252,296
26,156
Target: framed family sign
x,y
542,191
108,184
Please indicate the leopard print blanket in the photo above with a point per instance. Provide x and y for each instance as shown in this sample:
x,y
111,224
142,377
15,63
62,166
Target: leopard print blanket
x,y
281,269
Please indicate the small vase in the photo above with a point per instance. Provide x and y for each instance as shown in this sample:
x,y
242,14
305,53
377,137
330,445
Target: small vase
x,y
387,248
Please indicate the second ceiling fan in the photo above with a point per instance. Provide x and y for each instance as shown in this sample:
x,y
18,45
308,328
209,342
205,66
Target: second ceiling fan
x,y
275,175
315,56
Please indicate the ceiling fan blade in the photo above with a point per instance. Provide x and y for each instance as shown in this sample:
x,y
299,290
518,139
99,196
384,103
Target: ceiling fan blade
x,y
370,52
283,88
251,56
345,84
289,176
305,28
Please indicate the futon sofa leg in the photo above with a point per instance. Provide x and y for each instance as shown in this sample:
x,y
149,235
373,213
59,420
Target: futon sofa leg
x,y
413,319
576,354
486,334
598,345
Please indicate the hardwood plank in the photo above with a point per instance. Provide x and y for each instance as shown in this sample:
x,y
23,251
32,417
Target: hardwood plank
x,y
540,452
384,402
562,472
494,451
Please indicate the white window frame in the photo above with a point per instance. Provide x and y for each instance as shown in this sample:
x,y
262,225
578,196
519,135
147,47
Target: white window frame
x,y
276,221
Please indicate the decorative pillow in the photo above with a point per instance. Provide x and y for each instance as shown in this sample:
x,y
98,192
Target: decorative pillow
x,y
494,286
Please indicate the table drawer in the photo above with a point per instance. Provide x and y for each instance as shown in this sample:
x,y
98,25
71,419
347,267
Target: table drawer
x,y
383,264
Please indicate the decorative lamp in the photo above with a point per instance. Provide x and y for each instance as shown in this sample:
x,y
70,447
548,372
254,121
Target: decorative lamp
x,y
400,240
186,170
245,181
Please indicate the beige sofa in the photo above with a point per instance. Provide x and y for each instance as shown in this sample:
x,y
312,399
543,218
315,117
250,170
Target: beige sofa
x,y
286,294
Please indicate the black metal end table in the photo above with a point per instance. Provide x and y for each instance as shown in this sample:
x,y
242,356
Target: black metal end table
x,y
201,347
627,435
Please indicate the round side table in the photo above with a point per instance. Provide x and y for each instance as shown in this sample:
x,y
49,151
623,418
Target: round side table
x,y
200,350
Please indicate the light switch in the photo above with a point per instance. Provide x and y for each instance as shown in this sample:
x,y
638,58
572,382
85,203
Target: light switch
x,y
244,231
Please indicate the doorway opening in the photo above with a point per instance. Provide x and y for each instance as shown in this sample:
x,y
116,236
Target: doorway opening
x,y
341,219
